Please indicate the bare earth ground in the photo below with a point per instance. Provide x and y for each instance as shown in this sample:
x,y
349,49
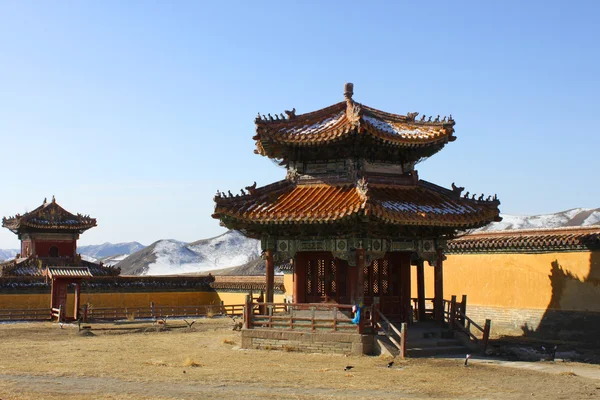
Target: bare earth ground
x,y
131,360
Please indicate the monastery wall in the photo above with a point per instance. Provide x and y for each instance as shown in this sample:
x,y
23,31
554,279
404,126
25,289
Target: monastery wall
x,y
29,293
554,294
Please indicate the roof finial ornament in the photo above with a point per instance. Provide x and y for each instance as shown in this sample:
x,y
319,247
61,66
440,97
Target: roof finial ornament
x,y
291,114
411,116
348,90
45,201
53,199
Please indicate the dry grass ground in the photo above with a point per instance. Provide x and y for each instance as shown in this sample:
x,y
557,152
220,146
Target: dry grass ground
x,y
133,360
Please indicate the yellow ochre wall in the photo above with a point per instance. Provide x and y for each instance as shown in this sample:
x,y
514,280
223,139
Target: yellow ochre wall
x,y
120,300
521,280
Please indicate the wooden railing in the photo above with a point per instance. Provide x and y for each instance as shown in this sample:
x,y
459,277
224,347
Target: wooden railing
x,y
397,337
31,314
455,316
303,316
429,311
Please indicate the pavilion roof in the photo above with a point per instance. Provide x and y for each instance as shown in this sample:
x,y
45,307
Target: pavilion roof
x,y
347,118
49,216
420,204
528,240
68,272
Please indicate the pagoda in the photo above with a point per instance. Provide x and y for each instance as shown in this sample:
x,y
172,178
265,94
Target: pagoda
x,y
48,238
352,211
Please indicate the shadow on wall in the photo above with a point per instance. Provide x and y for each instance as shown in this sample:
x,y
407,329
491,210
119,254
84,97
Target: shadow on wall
x,y
573,313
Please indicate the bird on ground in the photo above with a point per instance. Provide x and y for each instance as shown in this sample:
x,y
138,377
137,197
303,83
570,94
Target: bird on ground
x,y
467,359
390,364
551,352
348,367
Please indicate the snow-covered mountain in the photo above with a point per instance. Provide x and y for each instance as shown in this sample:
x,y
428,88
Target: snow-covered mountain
x,y
574,217
101,251
168,257
8,254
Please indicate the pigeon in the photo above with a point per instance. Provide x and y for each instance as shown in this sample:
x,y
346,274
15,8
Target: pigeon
x,y
348,367
390,364
467,359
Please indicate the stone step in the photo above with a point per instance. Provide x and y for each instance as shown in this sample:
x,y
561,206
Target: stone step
x,y
436,351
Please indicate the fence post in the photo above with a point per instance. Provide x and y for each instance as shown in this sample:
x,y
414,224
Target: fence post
x,y
463,308
452,316
403,329
312,318
486,334
152,314
375,316
85,312
248,312
60,313
223,311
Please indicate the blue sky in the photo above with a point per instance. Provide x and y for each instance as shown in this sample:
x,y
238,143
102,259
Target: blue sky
x,y
137,112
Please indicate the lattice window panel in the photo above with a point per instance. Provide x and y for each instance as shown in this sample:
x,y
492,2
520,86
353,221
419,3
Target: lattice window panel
x,y
332,280
375,278
385,284
366,283
341,282
309,277
321,277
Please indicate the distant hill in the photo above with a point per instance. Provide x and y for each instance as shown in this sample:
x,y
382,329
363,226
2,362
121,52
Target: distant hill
x,y
168,257
8,254
104,250
574,217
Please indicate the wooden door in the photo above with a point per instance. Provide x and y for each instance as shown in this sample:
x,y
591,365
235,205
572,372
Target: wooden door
x,y
387,279
326,279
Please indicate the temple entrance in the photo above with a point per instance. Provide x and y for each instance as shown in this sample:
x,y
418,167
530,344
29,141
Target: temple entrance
x,y
61,278
388,279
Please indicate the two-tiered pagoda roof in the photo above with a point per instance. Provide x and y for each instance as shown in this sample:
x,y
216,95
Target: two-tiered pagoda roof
x,y
353,166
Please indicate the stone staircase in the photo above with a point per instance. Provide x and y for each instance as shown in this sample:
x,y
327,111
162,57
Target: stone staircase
x,y
425,339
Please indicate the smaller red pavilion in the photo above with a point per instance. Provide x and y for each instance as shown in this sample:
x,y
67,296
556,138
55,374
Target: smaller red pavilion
x,y
49,237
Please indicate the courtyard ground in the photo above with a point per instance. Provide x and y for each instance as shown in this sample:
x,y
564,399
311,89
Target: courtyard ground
x,y
134,360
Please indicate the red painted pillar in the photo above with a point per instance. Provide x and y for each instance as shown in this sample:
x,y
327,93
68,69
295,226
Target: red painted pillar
x,y
77,294
439,287
421,289
360,278
299,278
405,276
270,272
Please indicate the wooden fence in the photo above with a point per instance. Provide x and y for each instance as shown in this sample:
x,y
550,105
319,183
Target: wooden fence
x,y
155,311
118,313
30,314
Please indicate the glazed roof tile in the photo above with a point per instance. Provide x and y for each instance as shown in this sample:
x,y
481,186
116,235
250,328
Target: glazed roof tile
x,y
420,204
49,216
530,240
68,272
348,117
